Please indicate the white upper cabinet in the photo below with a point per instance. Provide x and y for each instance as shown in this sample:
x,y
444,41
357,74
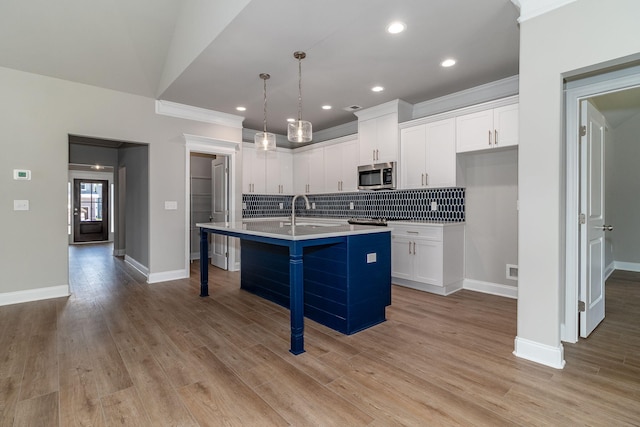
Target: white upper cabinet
x,y
308,171
340,166
428,155
378,131
279,172
253,171
491,128
266,172
379,139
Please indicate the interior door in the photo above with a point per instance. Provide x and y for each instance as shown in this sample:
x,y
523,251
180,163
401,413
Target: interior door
x,y
592,228
90,210
219,210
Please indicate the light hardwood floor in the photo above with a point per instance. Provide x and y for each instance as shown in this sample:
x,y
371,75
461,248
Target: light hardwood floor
x,y
122,352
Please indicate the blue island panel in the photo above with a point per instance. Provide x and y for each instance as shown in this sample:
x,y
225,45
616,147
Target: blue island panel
x,y
343,288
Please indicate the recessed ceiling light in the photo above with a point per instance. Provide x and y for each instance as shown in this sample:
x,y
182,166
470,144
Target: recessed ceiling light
x,y
241,108
377,89
396,27
326,107
291,120
448,62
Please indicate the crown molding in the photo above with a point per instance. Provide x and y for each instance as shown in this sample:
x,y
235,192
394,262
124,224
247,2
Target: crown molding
x,y
189,112
532,8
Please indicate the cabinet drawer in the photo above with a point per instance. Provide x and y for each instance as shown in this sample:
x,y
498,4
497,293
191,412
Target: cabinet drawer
x,y
422,231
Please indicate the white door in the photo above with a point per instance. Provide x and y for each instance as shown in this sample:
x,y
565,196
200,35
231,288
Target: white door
x,y
219,210
592,264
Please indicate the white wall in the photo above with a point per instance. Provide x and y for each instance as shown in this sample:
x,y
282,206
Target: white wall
x,y
564,41
36,116
491,228
623,188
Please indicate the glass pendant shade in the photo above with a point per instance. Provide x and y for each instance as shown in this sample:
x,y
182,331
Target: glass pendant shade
x,y
299,131
264,140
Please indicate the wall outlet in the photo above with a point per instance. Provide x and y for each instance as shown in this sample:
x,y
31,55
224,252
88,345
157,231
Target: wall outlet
x,y
281,205
20,205
512,271
313,205
170,205
244,205
351,205
434,206
372,257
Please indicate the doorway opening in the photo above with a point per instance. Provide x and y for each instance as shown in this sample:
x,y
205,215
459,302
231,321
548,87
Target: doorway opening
x,y
90,216
220,158
616,95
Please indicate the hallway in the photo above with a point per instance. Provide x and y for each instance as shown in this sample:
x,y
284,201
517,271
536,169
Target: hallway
x,y
122,352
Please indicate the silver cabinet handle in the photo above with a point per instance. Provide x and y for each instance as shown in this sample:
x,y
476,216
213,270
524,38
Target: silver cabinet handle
x,y
422,180
373,155
377,155
489,137
414,248
409,248
607,227
426,179
495,136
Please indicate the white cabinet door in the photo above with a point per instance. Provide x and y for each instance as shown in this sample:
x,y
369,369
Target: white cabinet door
x,y
413,152
505,121
341,167
279,172
315,167
428,262
402,257
387,133
492,128
474,131
253,171
378,139
349,165
300,172
333,168
368,140
440,167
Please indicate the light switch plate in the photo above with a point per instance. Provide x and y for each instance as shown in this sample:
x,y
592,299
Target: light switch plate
x,y
20,205
281,205
351,205
170,205
434,206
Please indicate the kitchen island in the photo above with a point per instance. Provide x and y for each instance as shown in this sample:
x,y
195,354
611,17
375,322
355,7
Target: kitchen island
x,y
336,274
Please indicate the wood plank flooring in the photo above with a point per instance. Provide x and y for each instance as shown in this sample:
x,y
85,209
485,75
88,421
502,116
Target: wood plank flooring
x,y
122,352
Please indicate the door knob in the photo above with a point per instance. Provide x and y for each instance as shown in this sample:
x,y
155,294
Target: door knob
x,y
607,227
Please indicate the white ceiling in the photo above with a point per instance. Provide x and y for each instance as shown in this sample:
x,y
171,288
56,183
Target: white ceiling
x,y
208,53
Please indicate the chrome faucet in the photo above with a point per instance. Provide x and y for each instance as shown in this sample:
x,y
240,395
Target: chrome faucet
x,y
293,207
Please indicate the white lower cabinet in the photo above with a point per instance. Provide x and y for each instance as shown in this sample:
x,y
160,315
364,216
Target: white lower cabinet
x,y
428,257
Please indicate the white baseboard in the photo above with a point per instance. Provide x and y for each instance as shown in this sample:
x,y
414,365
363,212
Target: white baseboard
x,y
491,288
438,290
627,266
16,297
138,266
540,353
165,276
609,269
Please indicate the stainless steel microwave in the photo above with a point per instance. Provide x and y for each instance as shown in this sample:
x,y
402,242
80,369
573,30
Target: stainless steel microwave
x,y
381,176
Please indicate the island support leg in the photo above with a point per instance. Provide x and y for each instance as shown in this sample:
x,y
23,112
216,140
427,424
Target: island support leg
x,y
204,263
296,299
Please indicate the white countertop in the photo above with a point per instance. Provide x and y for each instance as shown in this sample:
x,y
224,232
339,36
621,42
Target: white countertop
x,y
305,228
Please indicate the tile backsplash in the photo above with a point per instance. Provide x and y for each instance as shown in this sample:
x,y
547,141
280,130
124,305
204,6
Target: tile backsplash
x,y
397,204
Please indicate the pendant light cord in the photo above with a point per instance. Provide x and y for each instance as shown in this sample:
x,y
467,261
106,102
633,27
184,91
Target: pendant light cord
x,y
265,106
299,89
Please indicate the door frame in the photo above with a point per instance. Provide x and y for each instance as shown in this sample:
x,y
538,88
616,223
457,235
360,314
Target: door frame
x,y
220,147
79,174
575,92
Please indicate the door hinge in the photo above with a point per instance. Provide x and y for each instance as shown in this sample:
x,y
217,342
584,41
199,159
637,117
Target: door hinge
x,y
226,254
580,306
583,219
583,131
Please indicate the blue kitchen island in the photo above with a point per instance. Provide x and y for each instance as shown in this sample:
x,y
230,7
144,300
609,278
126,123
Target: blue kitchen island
x,y
336,274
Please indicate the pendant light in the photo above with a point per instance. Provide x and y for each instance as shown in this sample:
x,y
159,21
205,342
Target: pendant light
x,y
299,130
264,140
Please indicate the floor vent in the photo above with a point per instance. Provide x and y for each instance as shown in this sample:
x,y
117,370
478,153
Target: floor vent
x,y
512,272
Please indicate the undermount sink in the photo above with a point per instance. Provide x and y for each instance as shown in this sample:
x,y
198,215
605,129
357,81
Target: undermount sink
x,y
314,224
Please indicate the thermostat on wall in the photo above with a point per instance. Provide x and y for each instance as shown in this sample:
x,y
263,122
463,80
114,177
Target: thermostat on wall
x,y
22,174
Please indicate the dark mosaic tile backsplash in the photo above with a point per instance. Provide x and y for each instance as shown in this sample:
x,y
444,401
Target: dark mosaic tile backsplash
x,y
398,205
